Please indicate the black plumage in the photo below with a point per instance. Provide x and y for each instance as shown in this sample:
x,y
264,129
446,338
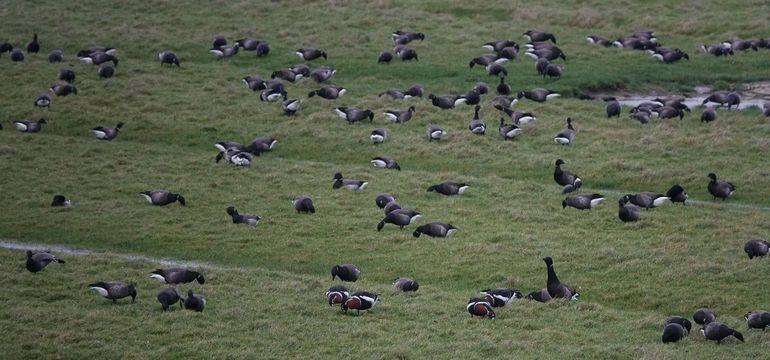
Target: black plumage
x,y
400,218
194,302
162,197
177,276
756,248
37,261
569,181
346,272
557,289
720,189
169,296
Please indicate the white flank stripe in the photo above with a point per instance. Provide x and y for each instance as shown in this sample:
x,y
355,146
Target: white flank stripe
x,y
101,291
378,163
159,278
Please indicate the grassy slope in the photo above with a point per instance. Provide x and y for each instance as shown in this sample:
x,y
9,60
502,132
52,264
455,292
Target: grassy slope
x,y
632,275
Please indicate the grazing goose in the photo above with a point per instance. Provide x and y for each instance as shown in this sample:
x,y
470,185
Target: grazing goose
x,y
473,97
360,300
557,289
175,276
535,36
309,54
33,46
672,333
677,194
114,290
496,69
486,60
263,49
758,319
717,331
503,88
254,83
539,296
98,58
5,48
17,55
756,248
720,189
480,307
322,74
219,40
434,132
405,284
508,131
303,204
286,74
337,295
540,65
261,144
407,53
569,181
103,133
385,57
390,207
447,101
56,55
627,213
37,261
169,296
509,53
671,56
385,162
379,135
518,117
194,302
435,229
676,319
565,136
247,44
553,70
724,98
43,101
583,201
703,316
67,75
246,219
168,57
717,50
352,114
538,94
236,155
162,197
384,199
273,94
224,51
61,201
63,89
599,40
400,218
477,126
613,107
290,106
499,45
501,296
399,116
405,37
105,72
329,92
550,53
346,272
668,112
766,108
29,126
647,200
449,188
350,184
709,114
301,69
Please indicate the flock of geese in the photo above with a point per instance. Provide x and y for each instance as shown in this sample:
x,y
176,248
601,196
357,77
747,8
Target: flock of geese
x,y
540,46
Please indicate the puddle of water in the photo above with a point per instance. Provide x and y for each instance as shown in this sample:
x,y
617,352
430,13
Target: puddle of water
x,y
691,102
754,94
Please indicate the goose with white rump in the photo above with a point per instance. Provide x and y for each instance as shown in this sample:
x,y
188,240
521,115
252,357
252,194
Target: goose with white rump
x,y
168,57
502,296
627,213
379,135
162,197
353,114
29,126
719,188
556,288
677,194
449,188
114,290
538,94
583,201
303,204
350,184
177,276
566,136
309,54
569,181
434,132
385,162
647,199
43,101
508,131
405,284
194,302
477,126
322,74
518,117
383,199
446,102
245,219
399,116
435,229
290,106
103,133
400,218
329,92
756,248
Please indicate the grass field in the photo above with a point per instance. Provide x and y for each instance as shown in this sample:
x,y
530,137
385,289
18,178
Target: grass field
x,y
265,285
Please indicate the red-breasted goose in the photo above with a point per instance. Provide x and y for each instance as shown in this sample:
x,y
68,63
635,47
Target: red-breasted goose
x,y
337,295
480,307
502,296
360,300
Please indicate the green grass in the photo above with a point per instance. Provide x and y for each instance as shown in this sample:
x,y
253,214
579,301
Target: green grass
x,y
265,285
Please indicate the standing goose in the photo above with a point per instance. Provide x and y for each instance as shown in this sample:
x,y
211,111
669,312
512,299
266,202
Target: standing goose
x,y
477,126
263,49
17,55
703,316
346,272
61,201
496,69
169,296
677,194
246,219
503,88
535,36
720,189
37,261
447,101
105,72
114,290
449,188
723,98
557,289
219,40
480,307
613,107
569,181
404,37
352,114
309,54
407,53
247,44
67,75
56,55
501,296
709,114
286,74
290,106
539,296
350,184
385,162
168,57
383,199
473,96
303,204
162,197
177,276
385,57
538,94
360,300
540,65
518,117
758,319
29,126
676,319
194,302
254,83
405,284
322,74
63,89
43,101
627,213
103,133
434,132
390,207
224,51
337,295
583,201
379,135
647,200
33,46
717,331
399,116
565,136
435,229
508,131
329,92
553,71
400,218
756,248
499,45
672,333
